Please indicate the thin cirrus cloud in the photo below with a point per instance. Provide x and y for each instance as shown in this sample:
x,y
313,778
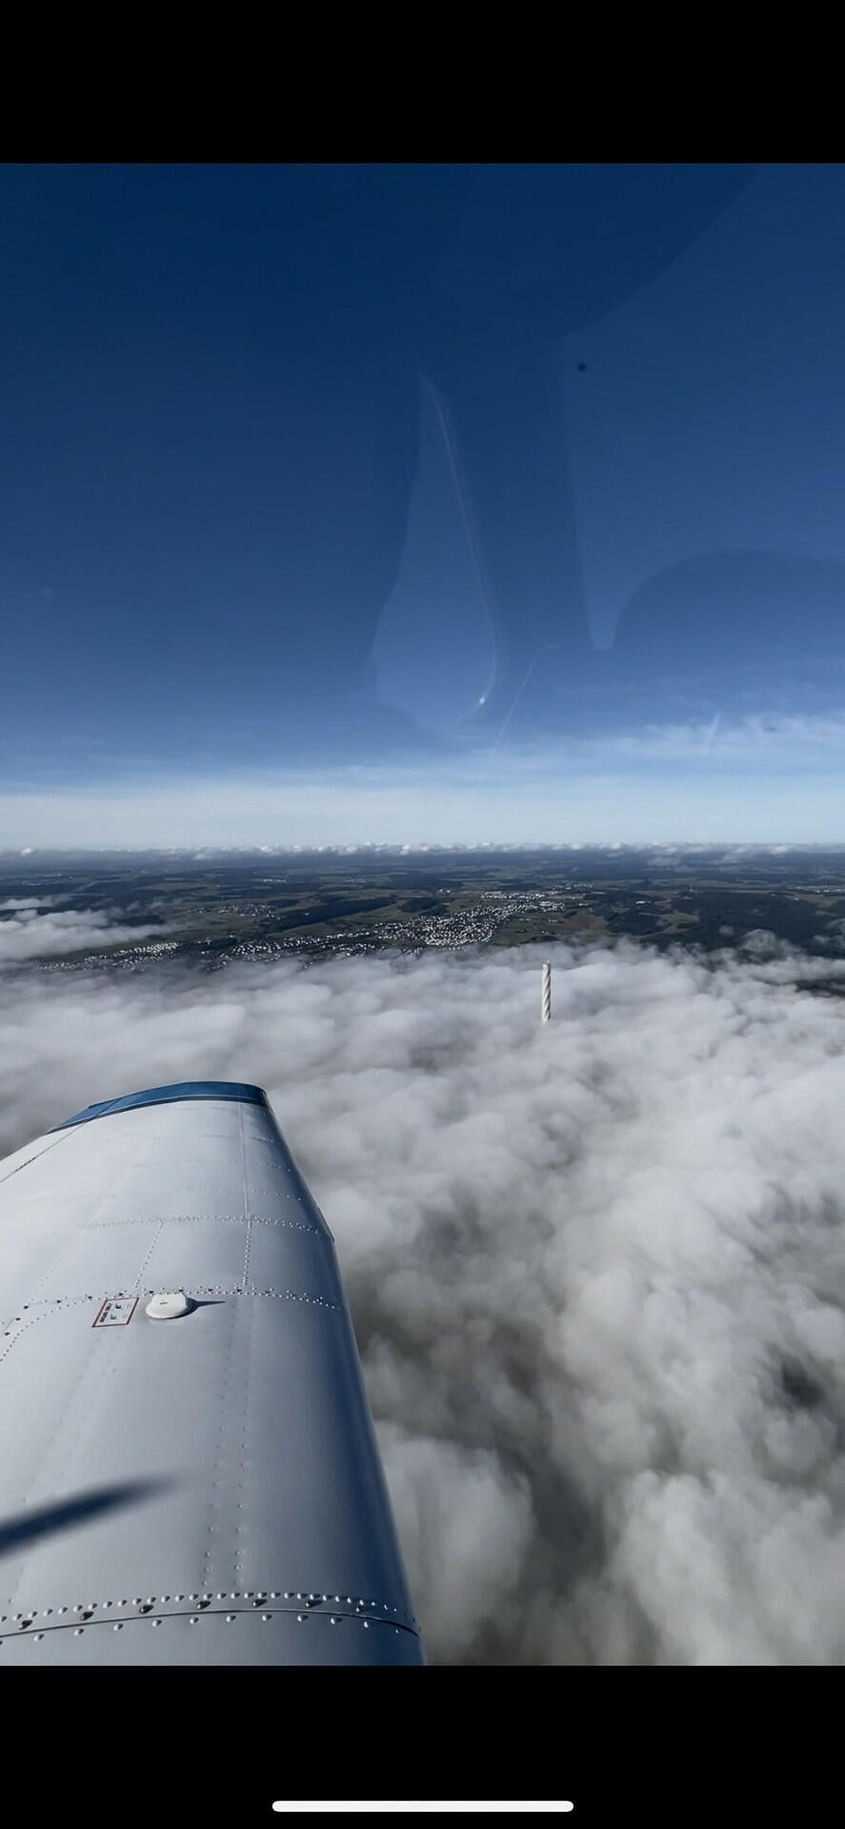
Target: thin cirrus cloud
x,y
595,1266
765,778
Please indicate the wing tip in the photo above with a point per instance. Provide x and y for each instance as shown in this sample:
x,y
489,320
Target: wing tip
x,y
167,1095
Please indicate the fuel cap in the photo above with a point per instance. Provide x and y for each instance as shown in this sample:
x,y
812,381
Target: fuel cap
x,y
168,1305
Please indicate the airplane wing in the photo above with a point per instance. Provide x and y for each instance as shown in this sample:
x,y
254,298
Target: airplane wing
x,y
188,1468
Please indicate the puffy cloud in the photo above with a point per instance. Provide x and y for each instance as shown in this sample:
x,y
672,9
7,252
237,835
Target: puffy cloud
x,y
26,901
26,933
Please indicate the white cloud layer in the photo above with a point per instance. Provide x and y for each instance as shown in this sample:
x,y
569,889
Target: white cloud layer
x,y
596,1267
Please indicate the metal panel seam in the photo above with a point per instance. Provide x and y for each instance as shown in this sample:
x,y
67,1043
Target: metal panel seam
x,y
218,1456
153,1244
30,1159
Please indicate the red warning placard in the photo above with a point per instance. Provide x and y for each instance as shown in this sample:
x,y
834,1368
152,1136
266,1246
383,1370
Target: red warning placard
x,y
117,1311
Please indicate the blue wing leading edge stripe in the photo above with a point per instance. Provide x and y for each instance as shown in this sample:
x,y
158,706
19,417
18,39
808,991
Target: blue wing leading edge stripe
x,y
164,1095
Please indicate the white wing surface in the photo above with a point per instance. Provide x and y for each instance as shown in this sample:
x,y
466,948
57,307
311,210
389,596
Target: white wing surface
x,y
188,1468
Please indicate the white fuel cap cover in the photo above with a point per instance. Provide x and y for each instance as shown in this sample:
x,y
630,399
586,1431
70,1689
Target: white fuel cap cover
x,y
168,1305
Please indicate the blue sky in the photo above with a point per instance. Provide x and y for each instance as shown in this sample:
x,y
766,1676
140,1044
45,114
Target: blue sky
x,y
422,503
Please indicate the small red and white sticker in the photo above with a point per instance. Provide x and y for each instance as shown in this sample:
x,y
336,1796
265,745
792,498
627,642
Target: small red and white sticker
x,y
117,1311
